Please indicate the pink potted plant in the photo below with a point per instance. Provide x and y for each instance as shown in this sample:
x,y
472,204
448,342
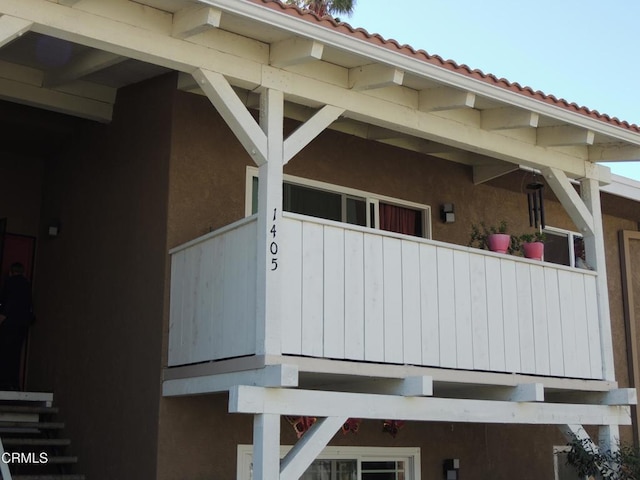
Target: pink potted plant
x,y
492,238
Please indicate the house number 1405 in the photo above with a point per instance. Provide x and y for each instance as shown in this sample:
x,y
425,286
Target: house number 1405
x,y
273,247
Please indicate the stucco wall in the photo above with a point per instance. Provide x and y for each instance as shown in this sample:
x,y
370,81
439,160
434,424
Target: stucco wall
x,y
97,343
20,190
198,438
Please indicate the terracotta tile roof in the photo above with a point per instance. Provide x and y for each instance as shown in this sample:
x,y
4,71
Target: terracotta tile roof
x,y
424,56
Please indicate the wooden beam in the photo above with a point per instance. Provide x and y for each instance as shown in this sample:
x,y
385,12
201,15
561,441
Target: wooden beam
x,y
68,3
619,396
614,153
445,98
309,130
191,21
418,386
245,399
484,173
526,392
235,114
570,199
369,77
306,450
508,118
294,51
270,376
12,28
564,136
86,64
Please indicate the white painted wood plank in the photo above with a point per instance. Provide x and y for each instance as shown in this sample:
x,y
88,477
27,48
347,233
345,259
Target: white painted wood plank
x,y
175,307
581,324
540,328
191,297
554,322
510,311
412,332
479,322
393,321
354,295
312,289
429,305
333,292
462,294
525,319
204,332
593,326
292,296
446,308
217,282
373,295
565,290
230,307
495,314
250,278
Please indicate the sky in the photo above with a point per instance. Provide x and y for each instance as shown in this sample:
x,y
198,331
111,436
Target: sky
x,y
583,51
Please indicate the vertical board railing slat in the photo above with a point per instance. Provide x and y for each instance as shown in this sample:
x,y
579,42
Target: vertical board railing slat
x,y
540,327
510,312
354,295
479,321
333,292
495,314
569,347
373,299
581,325
446,308
412,332
176,303
462,294
593,326
291,264
525,318
216,280
393,323
429,305
312,289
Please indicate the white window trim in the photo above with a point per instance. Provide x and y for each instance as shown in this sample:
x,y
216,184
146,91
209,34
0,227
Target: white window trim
x,y
571,235
373,198
409,454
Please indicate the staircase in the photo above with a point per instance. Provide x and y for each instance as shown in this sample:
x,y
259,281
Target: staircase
x,y
30,439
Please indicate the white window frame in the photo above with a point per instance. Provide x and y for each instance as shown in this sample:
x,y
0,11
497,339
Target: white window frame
x,y
571,236
410,455
370,198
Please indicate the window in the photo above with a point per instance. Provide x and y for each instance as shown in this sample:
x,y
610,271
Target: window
x,y
341,204
349,463
562,470
563,247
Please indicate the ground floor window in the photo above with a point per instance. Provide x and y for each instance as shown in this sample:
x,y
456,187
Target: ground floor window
x,y
349,463
347,205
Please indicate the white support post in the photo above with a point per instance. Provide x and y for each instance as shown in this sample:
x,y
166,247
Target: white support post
x,y
609,438
296,462
595,256
270,238
266,447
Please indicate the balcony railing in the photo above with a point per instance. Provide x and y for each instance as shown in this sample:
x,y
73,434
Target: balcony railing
x,y
357,294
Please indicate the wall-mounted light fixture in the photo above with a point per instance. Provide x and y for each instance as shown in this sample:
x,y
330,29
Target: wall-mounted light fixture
x,y
447,213
450,468
54,228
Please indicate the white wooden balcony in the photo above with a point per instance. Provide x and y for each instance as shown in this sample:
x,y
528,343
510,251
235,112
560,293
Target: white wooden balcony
x,y
353,293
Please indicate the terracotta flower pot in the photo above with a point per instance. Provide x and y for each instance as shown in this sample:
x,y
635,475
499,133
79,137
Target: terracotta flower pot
x,y
533,250
499,242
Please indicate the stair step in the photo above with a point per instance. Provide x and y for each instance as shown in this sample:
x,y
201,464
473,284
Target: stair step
x,y
39,425
38,442
57,476
27,409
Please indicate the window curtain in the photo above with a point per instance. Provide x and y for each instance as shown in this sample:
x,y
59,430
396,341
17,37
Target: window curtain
x,y
399,219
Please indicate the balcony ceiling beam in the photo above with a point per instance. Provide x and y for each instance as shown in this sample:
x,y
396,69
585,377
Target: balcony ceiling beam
x,y
614,153
564,136
269,376
86,64
445,98
247,399
11,28
418,386
191,21
369,77
619,396
508,118
525,392
485,173
295,51
570,199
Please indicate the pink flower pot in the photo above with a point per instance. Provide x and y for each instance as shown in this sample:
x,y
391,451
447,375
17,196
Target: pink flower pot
x,y
499,242
533,250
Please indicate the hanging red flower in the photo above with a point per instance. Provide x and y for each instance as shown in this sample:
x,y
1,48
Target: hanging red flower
x,y
392,427
301,424
351,425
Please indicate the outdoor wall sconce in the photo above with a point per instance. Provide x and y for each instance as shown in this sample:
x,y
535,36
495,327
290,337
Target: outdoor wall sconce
x,y
450,467
53,229
447,213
